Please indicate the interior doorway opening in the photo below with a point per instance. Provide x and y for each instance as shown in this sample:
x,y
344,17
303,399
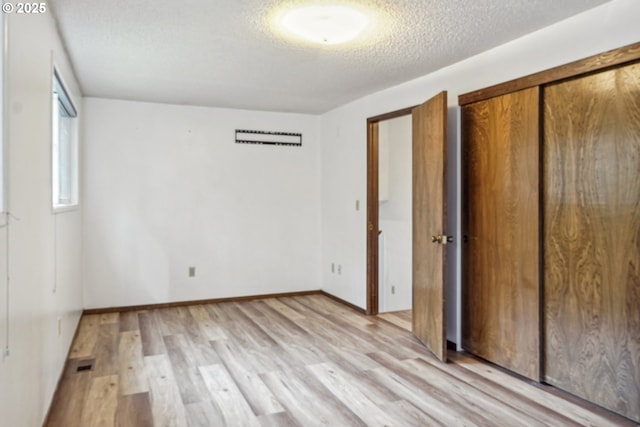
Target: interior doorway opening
x,y
394,214
376,288
428,219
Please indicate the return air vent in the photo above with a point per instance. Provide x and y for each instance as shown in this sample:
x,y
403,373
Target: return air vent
x,y
268,138
85,365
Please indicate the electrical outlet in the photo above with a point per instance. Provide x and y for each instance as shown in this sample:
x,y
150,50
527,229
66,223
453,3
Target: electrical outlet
x,y
357,205
6,353
333,267
339,269
393,289
192,272
59,326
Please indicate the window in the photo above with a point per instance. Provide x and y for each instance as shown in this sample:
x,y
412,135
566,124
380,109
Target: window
x,y
64,147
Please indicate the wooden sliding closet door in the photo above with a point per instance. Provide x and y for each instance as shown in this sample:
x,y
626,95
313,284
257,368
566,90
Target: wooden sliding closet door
x,y
592,238
501,291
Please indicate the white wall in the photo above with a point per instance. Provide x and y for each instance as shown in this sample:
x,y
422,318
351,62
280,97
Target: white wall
x,y
344,135
44,249
167,187
394,138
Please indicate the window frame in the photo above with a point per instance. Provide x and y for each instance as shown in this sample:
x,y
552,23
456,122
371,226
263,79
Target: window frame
x,y
62,106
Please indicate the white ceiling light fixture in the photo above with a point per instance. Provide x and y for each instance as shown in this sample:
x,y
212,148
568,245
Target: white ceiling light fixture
x,y
325,24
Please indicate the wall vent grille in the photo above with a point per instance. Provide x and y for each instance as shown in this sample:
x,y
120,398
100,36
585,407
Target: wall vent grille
x,y
268,138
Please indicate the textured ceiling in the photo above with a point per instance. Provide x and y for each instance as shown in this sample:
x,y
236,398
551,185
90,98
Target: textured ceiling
x,y
225,53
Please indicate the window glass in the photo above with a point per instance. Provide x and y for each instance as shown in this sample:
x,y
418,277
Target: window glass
x,y
64,147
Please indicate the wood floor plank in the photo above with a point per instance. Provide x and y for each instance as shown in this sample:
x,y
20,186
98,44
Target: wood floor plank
x,y
409,415
335,335
379,341
107,318
134,410
294,304
69,399
307,400
249,331
193,330
440,398
86,338
210,329
183,362
102,403
294,361
107,347
440,411
544,414
256,393
166,402
129,321
576,412
217,313
150,334
284,309
224,391
205,354
274,322
469,397
204,413
342,386
398,318
131,365
254,359
170,321
281,419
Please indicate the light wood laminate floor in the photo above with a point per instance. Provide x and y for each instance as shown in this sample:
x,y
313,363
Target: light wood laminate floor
x,y
297,361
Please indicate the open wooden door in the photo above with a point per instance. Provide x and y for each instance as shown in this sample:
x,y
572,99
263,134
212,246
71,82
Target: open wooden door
x,y
429,212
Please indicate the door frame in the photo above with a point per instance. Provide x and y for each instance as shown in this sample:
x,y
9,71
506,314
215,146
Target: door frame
x,y
373,224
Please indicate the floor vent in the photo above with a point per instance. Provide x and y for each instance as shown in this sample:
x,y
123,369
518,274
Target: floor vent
x,y
85,365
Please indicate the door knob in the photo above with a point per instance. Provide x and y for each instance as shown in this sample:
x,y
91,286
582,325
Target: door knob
x,y
443,240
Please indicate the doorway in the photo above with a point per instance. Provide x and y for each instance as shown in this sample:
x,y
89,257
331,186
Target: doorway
x,y
394,214
374,238
428,218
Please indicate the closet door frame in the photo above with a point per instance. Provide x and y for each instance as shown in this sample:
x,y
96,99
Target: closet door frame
x,y
612,58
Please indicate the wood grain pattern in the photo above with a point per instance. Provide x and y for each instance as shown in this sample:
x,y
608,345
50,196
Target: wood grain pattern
x,y
591,64
134,410
323,364
429,133
501,284
167,406
84,343
205,413
592,237
131,365
227,395
402,319
103,393
150,334
343,387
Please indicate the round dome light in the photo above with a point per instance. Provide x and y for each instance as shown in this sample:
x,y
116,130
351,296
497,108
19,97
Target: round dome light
x,y
325,24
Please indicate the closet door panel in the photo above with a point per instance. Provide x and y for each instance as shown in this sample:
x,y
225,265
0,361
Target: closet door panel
x,y
501,291
591,208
